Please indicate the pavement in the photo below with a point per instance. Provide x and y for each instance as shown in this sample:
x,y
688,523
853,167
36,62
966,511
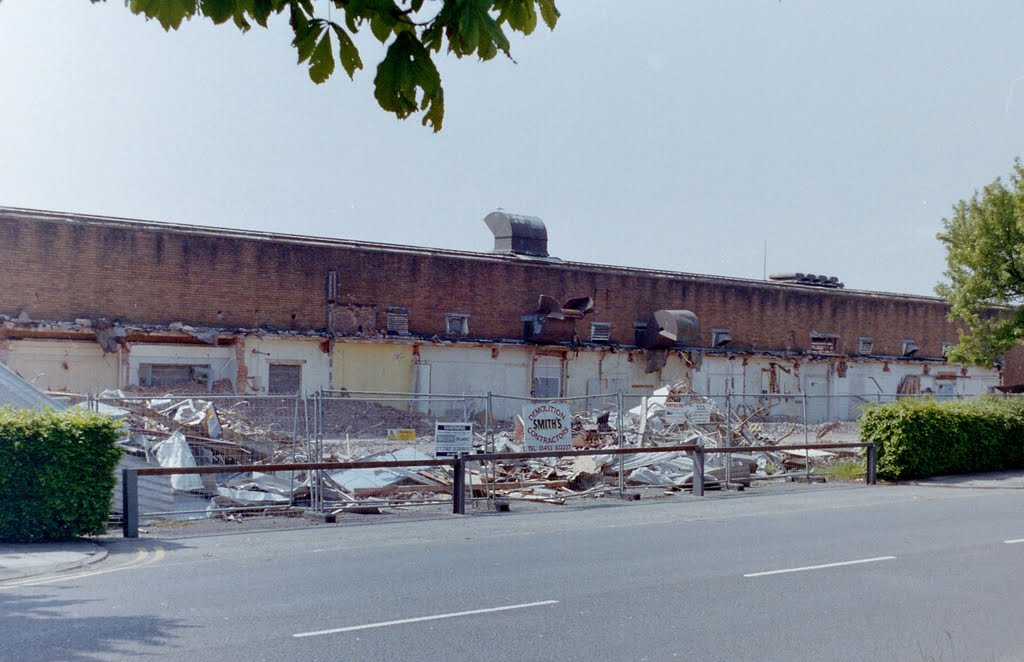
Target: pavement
x,y
1013,480
18,561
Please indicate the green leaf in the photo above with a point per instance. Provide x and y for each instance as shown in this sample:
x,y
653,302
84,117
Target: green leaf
x,y
407,81
218,11
321,64
549,13
347,51
521,15
470,28
306,33
261,10
170,13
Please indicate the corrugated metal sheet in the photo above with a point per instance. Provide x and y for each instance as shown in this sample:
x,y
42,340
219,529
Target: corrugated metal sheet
x,y
16,391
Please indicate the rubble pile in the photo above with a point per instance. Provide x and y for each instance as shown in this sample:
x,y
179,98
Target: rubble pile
x,y
181,432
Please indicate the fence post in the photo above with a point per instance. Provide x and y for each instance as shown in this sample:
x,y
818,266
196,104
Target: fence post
x,y
728,430
698,471
486,472
130,502
871,477
619,437
728,417
459,486
807,452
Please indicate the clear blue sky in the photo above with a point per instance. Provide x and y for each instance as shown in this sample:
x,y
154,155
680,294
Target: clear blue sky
x,y
670,134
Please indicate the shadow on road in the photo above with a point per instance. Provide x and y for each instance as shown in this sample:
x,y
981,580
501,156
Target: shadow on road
x,y
44,627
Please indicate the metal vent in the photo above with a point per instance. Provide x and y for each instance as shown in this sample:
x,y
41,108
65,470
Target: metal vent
x,y
456,324
600,331
720,337
865,345
518,234
824,343
910,348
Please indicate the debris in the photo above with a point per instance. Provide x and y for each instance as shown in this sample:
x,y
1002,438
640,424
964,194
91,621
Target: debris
x,y
174,452
185,431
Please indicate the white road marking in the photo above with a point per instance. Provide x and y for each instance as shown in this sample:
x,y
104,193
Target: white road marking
x,y
141,559
820,567
420,619
1014,542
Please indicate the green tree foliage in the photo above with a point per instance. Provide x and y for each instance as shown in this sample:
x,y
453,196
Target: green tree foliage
x,y
407,79
985,266
56,473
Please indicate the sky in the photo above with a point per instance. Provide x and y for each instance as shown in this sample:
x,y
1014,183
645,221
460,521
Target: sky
x,y
728,137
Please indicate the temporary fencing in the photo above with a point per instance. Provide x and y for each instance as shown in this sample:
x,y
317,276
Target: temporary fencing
x,y
239,439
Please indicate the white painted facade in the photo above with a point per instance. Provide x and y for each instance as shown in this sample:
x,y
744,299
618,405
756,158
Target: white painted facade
x,y
830,388
261,352
71,366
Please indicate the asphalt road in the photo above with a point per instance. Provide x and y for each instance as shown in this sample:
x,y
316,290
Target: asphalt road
x,y
894,573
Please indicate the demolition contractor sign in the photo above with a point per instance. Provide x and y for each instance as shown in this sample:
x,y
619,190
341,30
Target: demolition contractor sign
x,y
547,426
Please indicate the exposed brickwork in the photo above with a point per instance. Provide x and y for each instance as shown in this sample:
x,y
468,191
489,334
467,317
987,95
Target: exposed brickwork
x,y
149,273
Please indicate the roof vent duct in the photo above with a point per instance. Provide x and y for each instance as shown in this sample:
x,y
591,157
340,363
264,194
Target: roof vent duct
x,y
808,279
517,234
667,328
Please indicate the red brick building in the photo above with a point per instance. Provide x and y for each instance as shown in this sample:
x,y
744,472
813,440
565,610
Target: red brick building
x,y
154,279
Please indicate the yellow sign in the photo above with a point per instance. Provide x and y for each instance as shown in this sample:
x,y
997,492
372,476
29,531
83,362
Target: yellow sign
x,y
401,434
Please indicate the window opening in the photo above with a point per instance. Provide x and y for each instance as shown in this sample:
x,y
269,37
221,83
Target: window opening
x,y
639,331
284,378
547,377
173,374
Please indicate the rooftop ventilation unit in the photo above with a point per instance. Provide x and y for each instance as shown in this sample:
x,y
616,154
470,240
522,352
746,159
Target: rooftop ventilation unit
x,y
668,328
516,234
815,280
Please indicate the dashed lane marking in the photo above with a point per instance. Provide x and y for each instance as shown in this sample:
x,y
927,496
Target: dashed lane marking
x,y
820,567
420,619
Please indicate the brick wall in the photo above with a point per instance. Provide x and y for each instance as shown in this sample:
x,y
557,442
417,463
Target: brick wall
x,y
61,268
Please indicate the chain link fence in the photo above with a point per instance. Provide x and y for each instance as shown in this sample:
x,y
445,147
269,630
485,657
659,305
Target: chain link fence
x,y
205,430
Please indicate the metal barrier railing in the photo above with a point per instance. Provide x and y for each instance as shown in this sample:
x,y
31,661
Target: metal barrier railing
x,y
130,477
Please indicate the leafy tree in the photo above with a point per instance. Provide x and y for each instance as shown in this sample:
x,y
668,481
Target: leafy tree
x,y
407,80
985,266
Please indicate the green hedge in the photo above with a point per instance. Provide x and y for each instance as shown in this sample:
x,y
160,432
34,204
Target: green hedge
x,y
56,473
921,438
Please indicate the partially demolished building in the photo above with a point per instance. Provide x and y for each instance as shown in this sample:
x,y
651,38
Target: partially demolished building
x,y
90,303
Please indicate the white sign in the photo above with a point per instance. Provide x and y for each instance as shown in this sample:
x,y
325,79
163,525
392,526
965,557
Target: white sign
x,y
452,439
675,414
694,413
548,427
